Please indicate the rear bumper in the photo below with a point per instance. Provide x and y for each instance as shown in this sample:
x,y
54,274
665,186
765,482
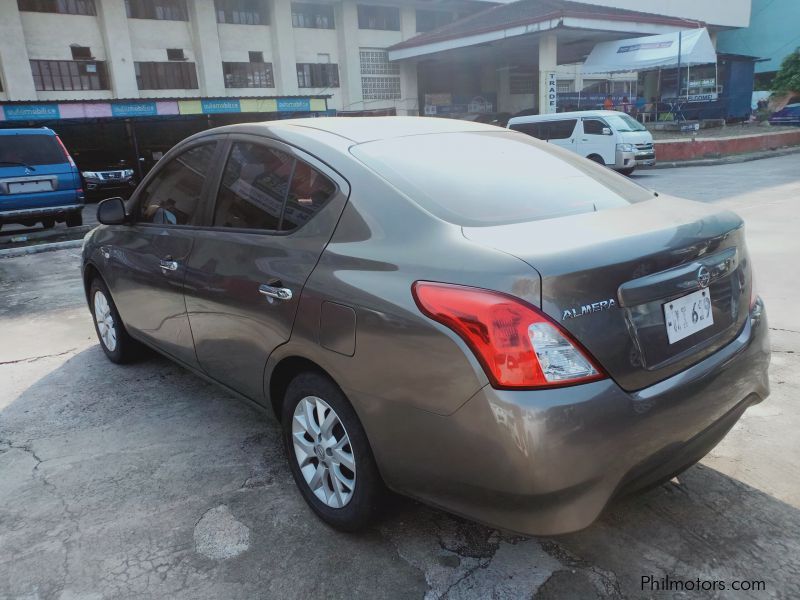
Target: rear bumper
x,y
41,212
547,462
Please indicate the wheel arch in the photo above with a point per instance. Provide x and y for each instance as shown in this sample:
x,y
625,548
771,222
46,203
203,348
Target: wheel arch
x,y
596,158
90,271
282,374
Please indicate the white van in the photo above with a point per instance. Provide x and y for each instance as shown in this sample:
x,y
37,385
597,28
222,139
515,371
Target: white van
x,y
608,137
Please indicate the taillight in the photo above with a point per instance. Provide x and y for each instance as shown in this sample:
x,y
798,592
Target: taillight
x,y
518,346
64,150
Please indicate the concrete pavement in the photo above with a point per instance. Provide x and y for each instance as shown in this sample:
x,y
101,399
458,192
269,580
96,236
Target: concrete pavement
x,y
146,482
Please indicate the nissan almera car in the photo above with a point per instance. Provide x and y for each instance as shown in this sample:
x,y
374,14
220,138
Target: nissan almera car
x,y
456,312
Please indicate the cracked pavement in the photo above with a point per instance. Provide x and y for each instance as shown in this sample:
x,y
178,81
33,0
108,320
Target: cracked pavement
x,y
146,482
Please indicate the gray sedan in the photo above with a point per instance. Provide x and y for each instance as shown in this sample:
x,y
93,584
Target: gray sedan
x,y
453,311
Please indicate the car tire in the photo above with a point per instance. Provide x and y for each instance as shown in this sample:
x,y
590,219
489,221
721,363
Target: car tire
x,y
627,172
345,498
74,220
48,223
118,346
596,158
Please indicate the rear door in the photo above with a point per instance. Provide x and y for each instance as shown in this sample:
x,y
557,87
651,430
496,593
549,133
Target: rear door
x,y
592,141
275,210
149,259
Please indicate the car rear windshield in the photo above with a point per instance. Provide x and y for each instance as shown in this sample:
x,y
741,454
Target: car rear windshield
x,y
495,178
30,149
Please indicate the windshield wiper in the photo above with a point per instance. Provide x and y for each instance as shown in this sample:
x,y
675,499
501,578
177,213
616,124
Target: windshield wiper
x,y
18,164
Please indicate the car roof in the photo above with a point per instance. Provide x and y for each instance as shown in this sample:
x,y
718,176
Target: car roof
x,y
28,131
367,129
565,115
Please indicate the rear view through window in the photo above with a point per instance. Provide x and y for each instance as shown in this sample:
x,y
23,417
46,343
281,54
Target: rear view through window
x,y
30,150
488,178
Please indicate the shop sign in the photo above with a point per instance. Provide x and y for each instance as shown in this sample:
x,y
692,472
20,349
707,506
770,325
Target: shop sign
x,y
221,106
31,112
294,105
133,109
551,89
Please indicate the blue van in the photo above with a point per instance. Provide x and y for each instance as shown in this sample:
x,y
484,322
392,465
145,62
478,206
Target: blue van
x,y
39,182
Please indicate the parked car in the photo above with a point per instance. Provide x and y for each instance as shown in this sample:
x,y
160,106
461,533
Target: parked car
x,y
607,137
788,115
39,182
455,311
104,178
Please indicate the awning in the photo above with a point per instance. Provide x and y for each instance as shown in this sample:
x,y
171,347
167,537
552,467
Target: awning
x,y
652,52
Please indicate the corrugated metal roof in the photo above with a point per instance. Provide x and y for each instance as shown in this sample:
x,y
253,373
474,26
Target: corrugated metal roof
x,y
532,11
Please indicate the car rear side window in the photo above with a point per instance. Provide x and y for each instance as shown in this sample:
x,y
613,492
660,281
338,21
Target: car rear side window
x,y
309,192
493,178
560,130
173,196
264,188
253,188
30,150
531,129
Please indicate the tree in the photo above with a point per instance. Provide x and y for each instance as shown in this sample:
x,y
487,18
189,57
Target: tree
x,y
788,77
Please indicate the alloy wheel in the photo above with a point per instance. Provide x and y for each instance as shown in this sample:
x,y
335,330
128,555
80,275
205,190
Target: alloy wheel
x,y
323,452
105,321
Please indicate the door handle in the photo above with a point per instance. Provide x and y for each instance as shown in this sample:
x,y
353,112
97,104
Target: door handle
x,y
274,292
169,265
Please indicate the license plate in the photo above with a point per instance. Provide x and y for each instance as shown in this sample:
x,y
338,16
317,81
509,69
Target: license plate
x,y
23,187
688,315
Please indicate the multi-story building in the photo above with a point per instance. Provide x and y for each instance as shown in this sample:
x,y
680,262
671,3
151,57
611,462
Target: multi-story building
x,y
134,49
132,77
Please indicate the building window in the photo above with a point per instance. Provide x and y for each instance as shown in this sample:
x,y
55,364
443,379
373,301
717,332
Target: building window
x,y
242,12
428,20
379,17
314,16
565,86
380,79
69,75
81,52
64,7
255,57
311,75
166,75
162,10
521,84
175,54
248,75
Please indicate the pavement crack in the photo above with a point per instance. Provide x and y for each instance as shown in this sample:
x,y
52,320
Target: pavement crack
x,y
31,359
484,562
782,329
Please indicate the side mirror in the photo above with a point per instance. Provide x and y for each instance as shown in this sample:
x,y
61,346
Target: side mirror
x,y
112,212
606,131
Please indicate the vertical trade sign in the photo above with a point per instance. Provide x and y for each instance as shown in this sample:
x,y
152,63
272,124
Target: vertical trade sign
x,y
552,93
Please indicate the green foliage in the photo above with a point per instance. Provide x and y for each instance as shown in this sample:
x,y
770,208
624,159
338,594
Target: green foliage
x,y
788,76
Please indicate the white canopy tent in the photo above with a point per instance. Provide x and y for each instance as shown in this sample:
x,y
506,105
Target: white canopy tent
x,y
679,48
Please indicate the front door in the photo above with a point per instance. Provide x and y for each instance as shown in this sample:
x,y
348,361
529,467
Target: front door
x,y
593,142
275,212
149,258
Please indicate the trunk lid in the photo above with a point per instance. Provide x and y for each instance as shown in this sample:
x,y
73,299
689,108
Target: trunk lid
x,y
607,275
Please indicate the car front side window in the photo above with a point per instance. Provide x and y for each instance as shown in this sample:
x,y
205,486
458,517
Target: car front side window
x,y
172,197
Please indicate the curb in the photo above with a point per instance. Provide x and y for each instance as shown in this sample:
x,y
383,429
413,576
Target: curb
x,y
36,249
724,160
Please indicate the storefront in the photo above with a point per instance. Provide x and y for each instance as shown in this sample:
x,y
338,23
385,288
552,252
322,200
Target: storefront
x,y
139,132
